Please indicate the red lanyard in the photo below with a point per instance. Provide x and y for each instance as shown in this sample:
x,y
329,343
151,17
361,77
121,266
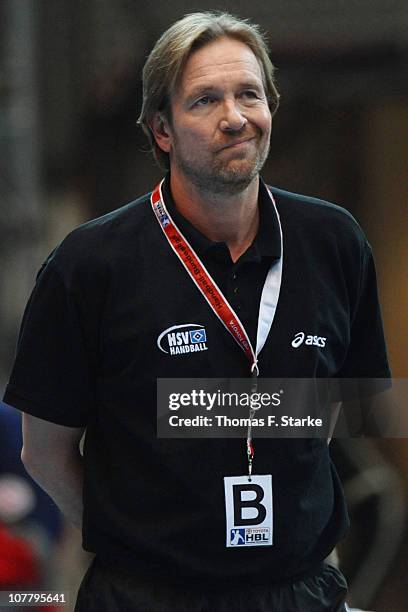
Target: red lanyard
x,y
215,298
201,277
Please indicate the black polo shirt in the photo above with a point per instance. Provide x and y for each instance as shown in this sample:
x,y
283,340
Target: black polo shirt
x,y
88,355
241,282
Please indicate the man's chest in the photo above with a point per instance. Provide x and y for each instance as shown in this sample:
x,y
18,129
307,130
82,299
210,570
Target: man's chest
x,y
160,325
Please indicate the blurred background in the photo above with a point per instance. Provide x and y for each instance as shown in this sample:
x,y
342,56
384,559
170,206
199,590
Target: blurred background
x,y
70,150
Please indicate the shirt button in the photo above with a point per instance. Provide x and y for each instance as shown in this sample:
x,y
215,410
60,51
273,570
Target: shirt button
x,y
234,276
235,289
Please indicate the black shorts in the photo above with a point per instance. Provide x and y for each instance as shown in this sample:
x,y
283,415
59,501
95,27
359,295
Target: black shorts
x,y
106,589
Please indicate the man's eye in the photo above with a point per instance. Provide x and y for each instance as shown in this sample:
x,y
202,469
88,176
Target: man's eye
x,y
204,101
249,94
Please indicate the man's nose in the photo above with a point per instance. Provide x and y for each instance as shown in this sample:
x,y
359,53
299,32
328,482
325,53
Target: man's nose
x,y
232,118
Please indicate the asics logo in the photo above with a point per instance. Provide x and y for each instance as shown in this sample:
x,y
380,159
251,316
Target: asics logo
x,y
310,340
298,339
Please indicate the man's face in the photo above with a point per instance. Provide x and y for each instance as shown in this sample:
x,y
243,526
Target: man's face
x,y
218,137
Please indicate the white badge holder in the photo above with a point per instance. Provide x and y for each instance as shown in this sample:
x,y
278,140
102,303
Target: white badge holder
x,y
248,511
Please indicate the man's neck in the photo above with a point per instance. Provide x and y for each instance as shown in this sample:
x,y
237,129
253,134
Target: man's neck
x,y
232,219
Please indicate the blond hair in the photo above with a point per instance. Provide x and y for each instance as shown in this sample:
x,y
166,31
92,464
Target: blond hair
x,y
163,67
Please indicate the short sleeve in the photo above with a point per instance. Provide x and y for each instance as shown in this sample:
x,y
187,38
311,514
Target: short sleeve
x,y
52,375
366,355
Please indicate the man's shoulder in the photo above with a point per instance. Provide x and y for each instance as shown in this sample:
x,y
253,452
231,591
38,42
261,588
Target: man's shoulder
x,y
117,224
311,207
110,230
95,243
317,216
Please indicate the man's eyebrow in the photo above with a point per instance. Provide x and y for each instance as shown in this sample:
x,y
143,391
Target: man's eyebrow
x,y
251,85
200,89
204,89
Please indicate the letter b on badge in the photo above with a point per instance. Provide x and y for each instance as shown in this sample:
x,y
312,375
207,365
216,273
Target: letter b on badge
x,y
238,491
248,509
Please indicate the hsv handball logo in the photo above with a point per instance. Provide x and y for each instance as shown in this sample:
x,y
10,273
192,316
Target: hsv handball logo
x,y
181,339
310,340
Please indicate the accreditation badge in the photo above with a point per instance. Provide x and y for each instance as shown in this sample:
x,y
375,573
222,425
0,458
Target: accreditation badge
x,y
248,510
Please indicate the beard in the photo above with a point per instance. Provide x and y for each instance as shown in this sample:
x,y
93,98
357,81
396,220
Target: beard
x,y
222,174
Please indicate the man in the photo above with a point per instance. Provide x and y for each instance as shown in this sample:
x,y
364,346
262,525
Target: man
x,y
93,342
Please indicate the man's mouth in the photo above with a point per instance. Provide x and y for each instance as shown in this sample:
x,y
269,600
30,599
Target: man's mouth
x,y
237,143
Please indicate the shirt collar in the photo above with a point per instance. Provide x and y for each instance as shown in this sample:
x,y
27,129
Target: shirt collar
x,y
267,242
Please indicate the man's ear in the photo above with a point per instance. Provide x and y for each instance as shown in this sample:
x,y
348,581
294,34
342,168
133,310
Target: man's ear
x,y
161,132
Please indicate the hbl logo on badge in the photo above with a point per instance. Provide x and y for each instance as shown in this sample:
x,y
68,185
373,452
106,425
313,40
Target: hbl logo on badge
x,y
237,537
